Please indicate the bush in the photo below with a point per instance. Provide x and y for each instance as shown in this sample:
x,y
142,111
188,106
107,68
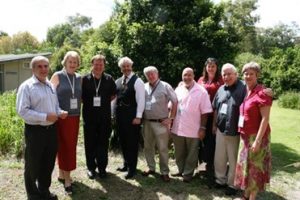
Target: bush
x,y
290,100
11,126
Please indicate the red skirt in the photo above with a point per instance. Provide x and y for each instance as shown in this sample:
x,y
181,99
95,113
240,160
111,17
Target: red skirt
x,y
67,141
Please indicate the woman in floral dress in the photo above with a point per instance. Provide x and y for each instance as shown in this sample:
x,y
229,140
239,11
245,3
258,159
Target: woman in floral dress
x,y
254,163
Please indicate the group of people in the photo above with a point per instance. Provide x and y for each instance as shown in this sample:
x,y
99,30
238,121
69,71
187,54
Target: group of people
x,y
206,122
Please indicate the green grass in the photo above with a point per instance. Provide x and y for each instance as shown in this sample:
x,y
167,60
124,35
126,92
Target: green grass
x,y
285,180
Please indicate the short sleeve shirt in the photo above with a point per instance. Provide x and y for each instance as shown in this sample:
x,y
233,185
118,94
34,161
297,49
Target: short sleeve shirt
x,y
231,97
250,110
191,105
158,98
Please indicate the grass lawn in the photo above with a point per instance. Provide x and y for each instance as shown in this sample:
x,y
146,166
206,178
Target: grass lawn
x,y
285,182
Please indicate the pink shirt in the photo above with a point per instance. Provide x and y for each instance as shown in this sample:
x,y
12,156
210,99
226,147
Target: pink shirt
x,y
250,110
191,104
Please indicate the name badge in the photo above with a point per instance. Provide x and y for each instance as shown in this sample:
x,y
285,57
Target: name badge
x,y
73,104
148,105
97,101
241,121
224,109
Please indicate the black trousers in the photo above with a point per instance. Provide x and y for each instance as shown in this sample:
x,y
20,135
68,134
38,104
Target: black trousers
x,y
129,136
207,148
96,140
40,153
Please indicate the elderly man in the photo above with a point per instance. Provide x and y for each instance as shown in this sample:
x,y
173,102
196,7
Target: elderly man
x,y
190,123
37,104
98,89
226,105
157,120
130,105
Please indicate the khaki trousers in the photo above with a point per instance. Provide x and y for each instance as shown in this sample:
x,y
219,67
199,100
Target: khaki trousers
x,y
226,151
186,154
156,135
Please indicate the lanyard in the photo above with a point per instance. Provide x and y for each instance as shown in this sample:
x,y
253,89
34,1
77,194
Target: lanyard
x,y
97,86
154,88
71,85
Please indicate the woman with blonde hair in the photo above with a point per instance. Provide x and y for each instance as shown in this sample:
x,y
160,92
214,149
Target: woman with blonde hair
x,y
68,87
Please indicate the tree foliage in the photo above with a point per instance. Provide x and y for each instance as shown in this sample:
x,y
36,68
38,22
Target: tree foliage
x,y
168,34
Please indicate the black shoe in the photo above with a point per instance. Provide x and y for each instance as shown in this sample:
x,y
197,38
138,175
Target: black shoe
x,y
230,191
91,174
61,180
102,174
187,178
122,169
219,186
130,175
50,196
69,190
148,172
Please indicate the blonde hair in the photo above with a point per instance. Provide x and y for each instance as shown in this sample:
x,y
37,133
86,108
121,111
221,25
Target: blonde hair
x,y
73,54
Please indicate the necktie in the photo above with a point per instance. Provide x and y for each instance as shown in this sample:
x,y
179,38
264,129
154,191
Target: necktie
x,y
124,80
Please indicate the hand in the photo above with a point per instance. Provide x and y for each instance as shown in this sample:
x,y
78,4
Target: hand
x,y
268,91
136,121
63,114
201,134
255,147
214,130
51,117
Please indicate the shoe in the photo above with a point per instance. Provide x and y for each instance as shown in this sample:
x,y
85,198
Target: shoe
x,y
230,191
102,174
50,196
69,190
122,169
91,174
61,180
187,178
130,175
219,186
165,177
148,172
177,174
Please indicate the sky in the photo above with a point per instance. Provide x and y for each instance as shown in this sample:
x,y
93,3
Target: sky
x,y
36,16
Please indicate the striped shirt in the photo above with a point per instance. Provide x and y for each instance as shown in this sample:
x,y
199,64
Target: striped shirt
x,y
35,99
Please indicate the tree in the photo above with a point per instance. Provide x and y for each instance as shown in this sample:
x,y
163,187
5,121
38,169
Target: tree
x,y
171,35
280,36
6,45
24,42
70,32
239,18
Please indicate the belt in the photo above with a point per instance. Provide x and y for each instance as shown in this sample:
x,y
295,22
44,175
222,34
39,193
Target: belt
x,y
40,126
156,120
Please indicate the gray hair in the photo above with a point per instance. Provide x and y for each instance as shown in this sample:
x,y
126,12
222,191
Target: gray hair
x,y
73,54
150,69
251,65
38,59
229,66
124,60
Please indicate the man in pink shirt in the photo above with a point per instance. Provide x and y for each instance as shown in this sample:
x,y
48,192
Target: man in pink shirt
x,y
190,123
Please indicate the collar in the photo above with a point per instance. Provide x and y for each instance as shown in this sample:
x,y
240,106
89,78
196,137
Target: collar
x,y
36,81
128,77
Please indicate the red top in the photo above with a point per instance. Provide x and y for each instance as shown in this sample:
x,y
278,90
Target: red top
x,y
211,87
250,110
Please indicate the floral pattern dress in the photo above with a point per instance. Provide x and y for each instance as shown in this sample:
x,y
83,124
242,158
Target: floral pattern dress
x,y
253,169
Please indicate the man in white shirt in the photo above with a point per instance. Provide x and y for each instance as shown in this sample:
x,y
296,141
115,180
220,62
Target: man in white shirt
x,y
130,105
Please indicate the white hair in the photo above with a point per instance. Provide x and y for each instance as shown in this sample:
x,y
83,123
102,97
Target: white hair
x,y
229,66
124,60
38,59
150,69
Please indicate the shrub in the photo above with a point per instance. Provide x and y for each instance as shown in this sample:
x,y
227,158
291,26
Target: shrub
x,y
11,126
290,100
